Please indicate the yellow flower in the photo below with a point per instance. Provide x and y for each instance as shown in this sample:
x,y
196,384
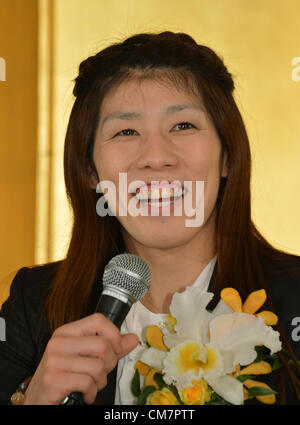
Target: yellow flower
x,y
246,395
259,368
143,368
162,397
267,399
155,338
149,380
170,323
199,393
268,317
232,298
254,302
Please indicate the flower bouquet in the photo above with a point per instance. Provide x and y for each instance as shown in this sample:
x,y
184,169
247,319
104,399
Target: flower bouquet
x,y
208,357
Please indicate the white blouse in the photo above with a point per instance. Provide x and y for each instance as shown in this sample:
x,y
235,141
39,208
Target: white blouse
x,y
137,321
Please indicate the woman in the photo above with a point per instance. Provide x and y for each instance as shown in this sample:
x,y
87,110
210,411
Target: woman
x,y
156,107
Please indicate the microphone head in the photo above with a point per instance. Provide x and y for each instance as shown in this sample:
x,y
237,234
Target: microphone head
x,y
127,275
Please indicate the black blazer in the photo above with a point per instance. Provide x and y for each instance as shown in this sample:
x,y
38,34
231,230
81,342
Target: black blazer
x,y
26,341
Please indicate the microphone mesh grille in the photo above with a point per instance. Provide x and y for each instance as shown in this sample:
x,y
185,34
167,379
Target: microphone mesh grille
x,y
136,285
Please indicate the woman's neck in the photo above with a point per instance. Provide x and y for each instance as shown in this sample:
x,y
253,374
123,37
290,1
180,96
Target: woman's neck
x,y
172,271
165,282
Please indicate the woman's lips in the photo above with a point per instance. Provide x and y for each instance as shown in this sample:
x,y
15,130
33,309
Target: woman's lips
x,y
160,205
159,193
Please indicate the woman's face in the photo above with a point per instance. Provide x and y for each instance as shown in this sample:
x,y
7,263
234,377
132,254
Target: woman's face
x,y
152,132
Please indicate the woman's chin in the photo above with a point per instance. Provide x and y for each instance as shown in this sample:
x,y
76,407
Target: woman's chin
x,y
163,236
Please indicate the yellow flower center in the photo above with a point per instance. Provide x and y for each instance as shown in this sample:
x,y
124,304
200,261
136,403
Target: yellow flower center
x,y
192,356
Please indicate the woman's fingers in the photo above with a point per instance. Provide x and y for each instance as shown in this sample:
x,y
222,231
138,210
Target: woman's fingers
x,y
128,343
88,346
54,391
78,358
95,324
96,368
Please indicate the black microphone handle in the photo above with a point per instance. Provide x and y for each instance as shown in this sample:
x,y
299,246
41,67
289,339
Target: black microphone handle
x,y
113,309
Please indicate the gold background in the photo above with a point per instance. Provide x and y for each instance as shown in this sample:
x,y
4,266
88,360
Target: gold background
x,y
43,42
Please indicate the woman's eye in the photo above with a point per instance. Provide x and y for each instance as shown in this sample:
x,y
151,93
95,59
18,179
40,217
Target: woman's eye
x,y
187,125
125,132
129,131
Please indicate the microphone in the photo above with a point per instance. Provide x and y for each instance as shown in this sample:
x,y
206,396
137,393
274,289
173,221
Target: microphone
x,y
126,279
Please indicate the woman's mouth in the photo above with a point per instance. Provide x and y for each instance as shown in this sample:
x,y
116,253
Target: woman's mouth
x,y
159,198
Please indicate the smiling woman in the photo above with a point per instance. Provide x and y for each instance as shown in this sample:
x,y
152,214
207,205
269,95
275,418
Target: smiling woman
x,y
156,108
172,140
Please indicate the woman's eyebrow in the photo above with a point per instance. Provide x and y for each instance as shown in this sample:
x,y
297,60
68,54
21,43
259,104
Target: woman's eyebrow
x,y
167,111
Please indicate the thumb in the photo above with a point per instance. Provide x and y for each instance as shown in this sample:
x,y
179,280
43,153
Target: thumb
x,y
128,343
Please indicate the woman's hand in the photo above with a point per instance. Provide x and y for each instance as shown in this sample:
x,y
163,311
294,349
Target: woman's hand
x,y
78,357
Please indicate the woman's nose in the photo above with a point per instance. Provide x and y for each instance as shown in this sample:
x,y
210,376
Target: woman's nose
x,y
157,152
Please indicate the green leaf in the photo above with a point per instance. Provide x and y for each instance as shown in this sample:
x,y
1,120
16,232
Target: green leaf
x,y
135,384
216,400
175,392
243,378
276,364
220,402
158,378
145,393
260,354
260,391
214,397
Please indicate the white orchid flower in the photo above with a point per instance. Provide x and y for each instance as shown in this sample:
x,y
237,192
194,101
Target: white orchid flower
x,y
209,345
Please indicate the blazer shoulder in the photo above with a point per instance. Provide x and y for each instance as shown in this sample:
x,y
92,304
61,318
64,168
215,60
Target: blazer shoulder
x,y
29,287
42,271
283,266
37,277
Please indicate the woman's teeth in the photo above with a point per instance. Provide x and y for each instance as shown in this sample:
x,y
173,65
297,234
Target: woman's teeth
x,y
159,196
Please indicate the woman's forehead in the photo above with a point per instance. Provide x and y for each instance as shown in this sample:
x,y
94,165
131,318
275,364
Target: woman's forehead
x,y
134,85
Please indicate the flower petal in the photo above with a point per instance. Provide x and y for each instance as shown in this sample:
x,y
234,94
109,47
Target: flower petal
x,y
153,357
267,399
189,309
232,299
258,368
240,333
155,337
221,308
269,317
254,301
228,388
227,359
